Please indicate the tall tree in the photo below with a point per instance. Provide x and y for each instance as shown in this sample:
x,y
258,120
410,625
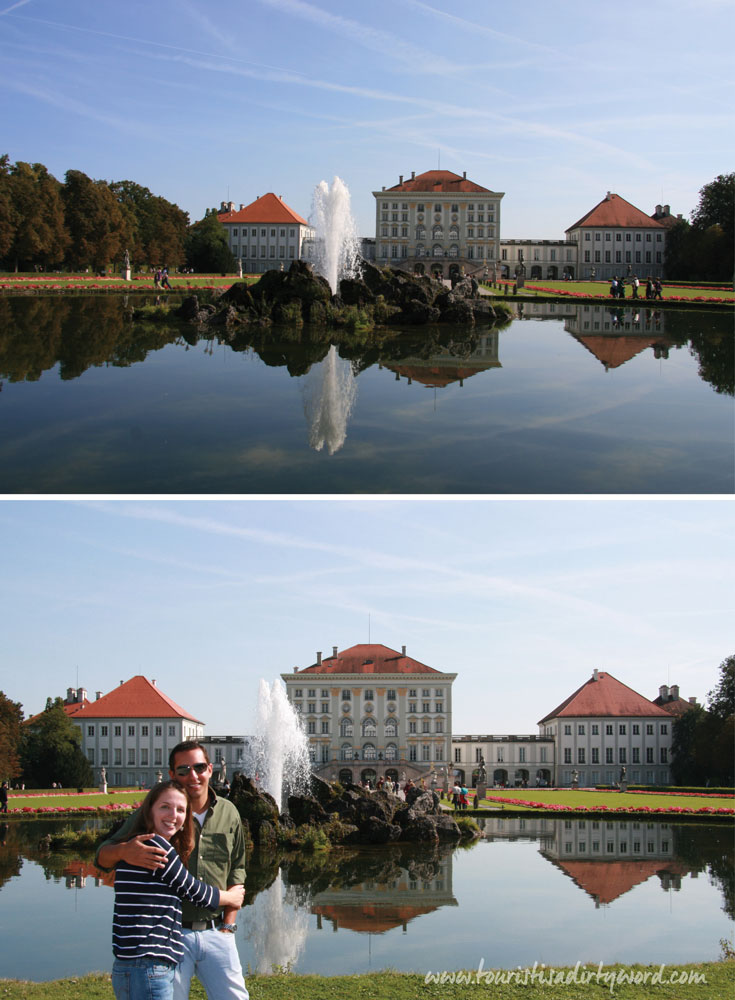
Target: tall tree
x,y
11,717
715,214
40,238
207,249
158,227
51,750
721,698
8,218
98,229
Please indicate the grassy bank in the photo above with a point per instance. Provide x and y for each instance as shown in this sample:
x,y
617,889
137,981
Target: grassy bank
x,y
601,290
634,803
708,981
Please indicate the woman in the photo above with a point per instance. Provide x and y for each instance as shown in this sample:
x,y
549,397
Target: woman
x,y
146,926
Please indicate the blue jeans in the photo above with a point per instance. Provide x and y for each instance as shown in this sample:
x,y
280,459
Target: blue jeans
x,y
213,957
142,979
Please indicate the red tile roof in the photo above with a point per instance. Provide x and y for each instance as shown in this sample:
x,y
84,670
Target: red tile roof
x,y
70,709
616,211
613,350
369,658
371,917
137,698
440,181
269,208
605,696
674,706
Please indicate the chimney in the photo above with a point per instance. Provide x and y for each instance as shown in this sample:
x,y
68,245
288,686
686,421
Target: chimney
x,y
413,174
334,650
464,175
400,178
667,209
121,683
319,659
692,701
663,692
82,694
403,650
595,675
153,682
674,692
607,196
295,670
71,696
242,207
658,210
97,695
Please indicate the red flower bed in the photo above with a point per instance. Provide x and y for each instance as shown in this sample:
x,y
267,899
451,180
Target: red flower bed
x,y
659,810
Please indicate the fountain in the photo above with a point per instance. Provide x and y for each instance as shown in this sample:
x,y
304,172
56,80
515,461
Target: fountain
x,y
278,756
337,246
277,928
329,395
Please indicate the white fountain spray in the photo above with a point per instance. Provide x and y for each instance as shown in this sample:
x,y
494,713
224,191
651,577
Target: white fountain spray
x,y
277,928
280,749
330,392
337,246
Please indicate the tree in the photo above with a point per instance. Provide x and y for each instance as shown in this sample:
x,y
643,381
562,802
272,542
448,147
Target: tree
x,y
8,217
11,717
721,698
51,750
716,208
158,228
39,237
98,228
206,245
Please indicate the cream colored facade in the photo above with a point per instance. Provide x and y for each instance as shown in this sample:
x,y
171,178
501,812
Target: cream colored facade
x,y
445,232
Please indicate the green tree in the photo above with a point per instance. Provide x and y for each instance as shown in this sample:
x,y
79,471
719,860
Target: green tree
x,y
11,717
702,740
39,237
715,214
207,249
721,699
8,218
158,228
98,228
51,750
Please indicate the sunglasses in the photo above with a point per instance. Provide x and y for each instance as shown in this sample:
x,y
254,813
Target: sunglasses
x,y
183,769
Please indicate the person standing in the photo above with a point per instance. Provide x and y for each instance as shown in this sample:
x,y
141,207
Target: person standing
x,y
4,797
146,926
218,858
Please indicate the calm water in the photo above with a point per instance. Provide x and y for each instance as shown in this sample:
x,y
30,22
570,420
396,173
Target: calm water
x,y
551,891
566,399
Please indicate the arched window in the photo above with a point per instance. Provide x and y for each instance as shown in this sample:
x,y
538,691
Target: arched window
x,y
391,752
454,250
346,752
369,729
368,752
438,251
437,233
345,728
420,251
453,232
420,232
391,728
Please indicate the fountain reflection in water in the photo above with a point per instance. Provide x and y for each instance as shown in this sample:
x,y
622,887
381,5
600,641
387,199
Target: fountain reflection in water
x,y
279,751
277,929
330,391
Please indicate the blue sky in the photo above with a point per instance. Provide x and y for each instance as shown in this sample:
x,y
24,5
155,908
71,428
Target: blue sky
x,y
554,104
521,597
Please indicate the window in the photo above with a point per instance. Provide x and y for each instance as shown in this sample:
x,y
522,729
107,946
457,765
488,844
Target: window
x,y
391,694
346,728
103,756
649,755
412,727
580,729
90,755
103,730
144,730
595,755
144,758
412,693
368,695
664,728
325,707
609,729
609,755
347,695
542,755
636,729
369,728
567,730
425,726
299,693
131,757
118,730
90,730
595,729
157,757
621,755
457,755
580,755
664,755
311,728
172,730
621,729
567,755
412,755
426,752
636,755
325,727
118,756
521,755
412,706
425,706
649,729
131,730
391,727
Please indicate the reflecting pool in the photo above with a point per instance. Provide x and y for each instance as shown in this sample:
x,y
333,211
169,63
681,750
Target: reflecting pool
x,y
564,399
550,891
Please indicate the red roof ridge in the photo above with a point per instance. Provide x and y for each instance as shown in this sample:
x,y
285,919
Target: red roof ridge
x,y
137,698
617,212
604,695
369,658
444,181
269,208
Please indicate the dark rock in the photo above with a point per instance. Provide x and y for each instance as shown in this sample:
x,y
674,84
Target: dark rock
x,y
422,830
267,834
322,791
306,809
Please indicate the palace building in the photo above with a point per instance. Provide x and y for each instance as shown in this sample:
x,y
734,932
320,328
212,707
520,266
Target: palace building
x,y
370,711
266,234
437,223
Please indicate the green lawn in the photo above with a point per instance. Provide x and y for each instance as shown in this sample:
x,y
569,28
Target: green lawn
x,y
602,289
706,981
611,799
71,800
82,282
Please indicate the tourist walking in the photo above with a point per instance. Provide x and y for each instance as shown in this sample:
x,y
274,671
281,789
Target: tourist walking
x,y
146,925
164,279
4,797
635,283
219,850
658,289
649,288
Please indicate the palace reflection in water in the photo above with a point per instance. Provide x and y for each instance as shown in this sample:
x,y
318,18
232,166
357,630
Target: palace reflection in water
x,y
95,399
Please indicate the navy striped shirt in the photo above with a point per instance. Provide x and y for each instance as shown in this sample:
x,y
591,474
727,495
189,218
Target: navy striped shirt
x,y
147,917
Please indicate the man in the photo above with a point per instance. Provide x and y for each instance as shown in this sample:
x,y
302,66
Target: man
x,y
218,858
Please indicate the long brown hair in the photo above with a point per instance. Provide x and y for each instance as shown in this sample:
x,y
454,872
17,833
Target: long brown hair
x,y
183,839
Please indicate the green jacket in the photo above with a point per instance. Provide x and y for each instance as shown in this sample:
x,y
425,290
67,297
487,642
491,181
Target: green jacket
x,y
218,857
